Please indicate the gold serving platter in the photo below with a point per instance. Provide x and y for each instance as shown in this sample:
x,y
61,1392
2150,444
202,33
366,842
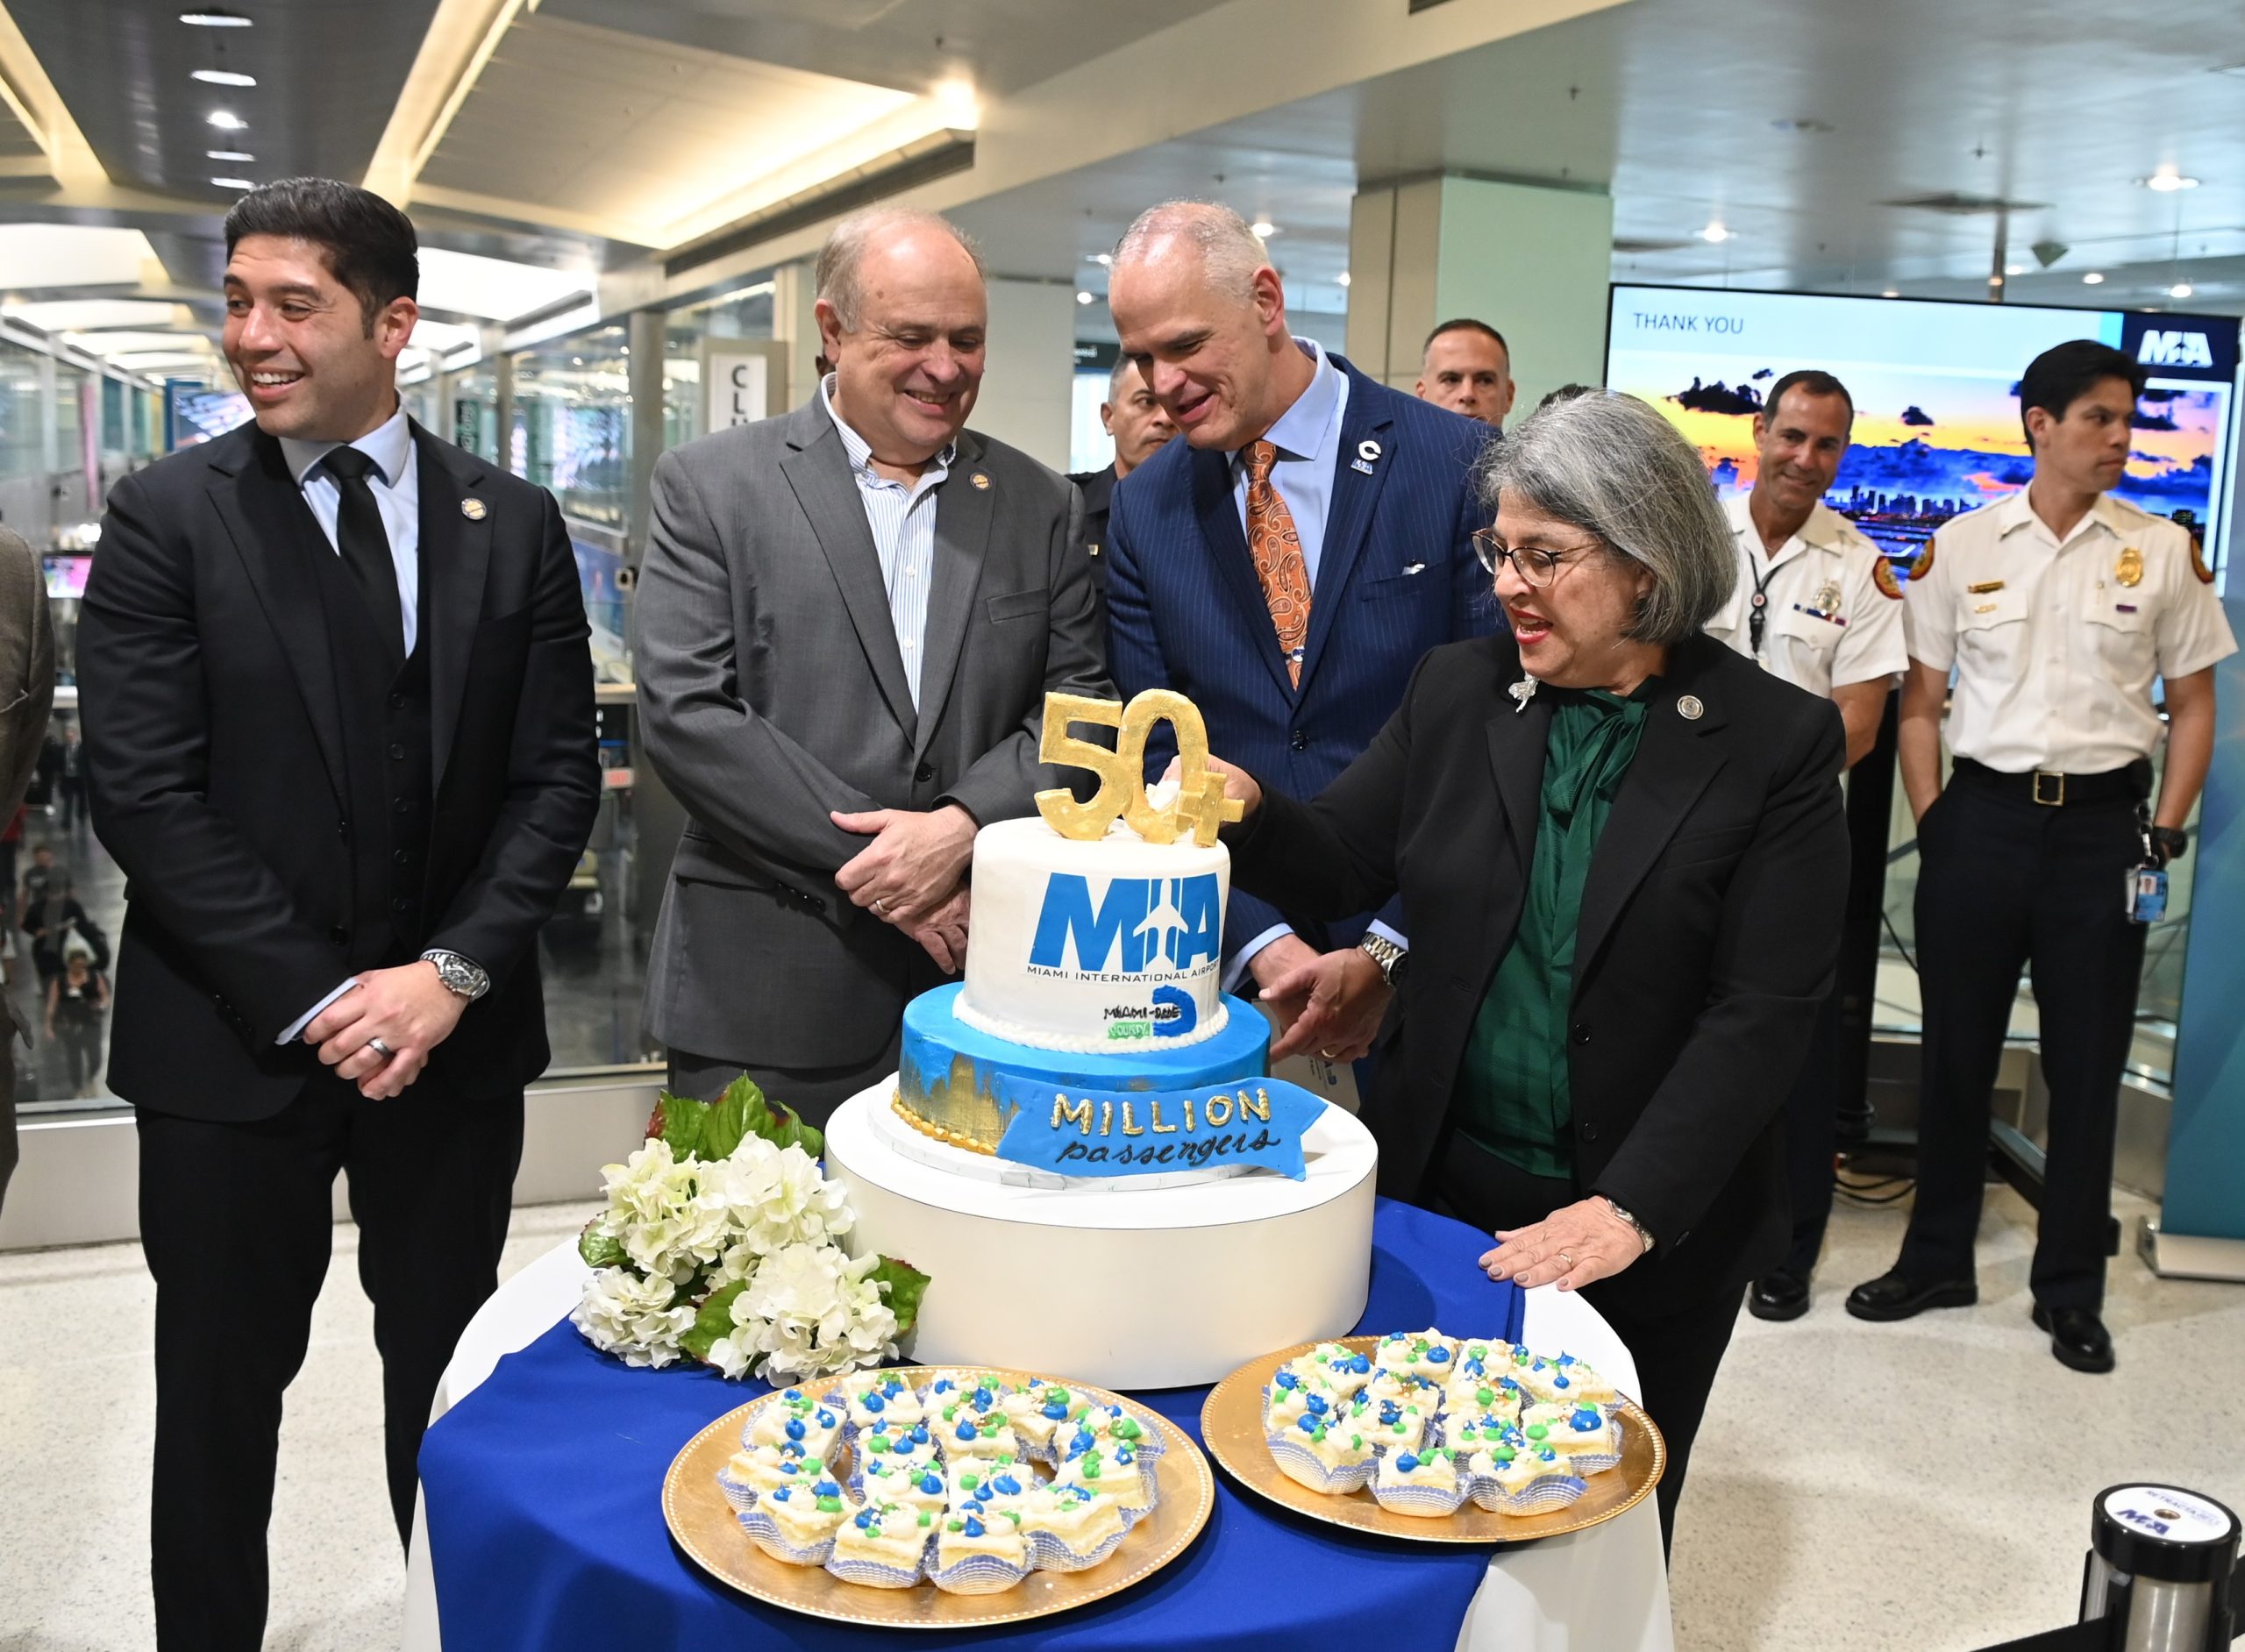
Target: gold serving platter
x,y
704,1526
1231,1423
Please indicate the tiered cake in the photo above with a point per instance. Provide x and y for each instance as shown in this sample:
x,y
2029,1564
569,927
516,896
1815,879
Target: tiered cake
x,y
1093,961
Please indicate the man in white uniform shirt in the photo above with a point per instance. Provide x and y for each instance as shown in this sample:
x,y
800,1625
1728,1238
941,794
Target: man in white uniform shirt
x,y
1817,605
2057,609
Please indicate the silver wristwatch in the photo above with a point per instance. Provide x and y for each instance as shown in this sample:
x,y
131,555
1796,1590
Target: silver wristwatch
x,y
1644,1234
462,976
1387,955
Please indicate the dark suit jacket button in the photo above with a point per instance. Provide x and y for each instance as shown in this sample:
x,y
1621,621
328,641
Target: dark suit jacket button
x,y
343,830
925,773
1300,741
1581,1033
401,855
1590,1129
397,751
340,936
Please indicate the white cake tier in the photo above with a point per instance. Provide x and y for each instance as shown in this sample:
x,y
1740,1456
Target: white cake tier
x,y
1150,1288
1106,945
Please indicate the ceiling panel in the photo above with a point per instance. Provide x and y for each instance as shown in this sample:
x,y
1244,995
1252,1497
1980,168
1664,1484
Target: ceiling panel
x,y
999,45
651,131
328,74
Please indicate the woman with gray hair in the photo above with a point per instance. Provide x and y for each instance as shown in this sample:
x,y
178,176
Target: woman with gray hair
x,y
1623,858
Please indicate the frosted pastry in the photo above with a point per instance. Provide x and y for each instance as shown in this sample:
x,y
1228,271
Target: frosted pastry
x,y
1516,1474
1343,1370
763,1469
1489,1395
1396,1427
1335,1445
795,1417
907,1444
989,1484
879,1396
797,1523
1070,1526
1561,1381
1411,1388
1579,1431
880,1547
1037,1413
1291,1396
962,1433
902,1481
974,1555
1410,1483
1428,1352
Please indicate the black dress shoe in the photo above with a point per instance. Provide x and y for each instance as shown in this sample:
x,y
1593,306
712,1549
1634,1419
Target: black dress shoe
x,y
1896,1296
2078,1337
1781,1295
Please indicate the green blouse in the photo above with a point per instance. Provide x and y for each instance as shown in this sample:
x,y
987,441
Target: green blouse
x,y
1513,1094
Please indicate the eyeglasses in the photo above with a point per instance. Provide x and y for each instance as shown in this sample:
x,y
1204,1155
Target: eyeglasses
x,y
1537,567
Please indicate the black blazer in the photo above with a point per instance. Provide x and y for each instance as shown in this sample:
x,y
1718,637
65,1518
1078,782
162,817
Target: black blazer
x,y
1709,925
214,746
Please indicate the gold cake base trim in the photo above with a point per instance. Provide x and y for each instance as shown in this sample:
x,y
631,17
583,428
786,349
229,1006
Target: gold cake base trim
x,y
955,1138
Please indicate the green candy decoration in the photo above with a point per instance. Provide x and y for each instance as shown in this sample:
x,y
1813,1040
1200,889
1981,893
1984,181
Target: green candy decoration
x,y
830,1505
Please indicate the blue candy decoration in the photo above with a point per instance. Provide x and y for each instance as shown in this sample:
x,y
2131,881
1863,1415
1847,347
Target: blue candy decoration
x,y
1287,1379
794,1428
792,1397
1055,1410
874,1403
1006,1485
933,1484
1406,1463
864,1522
1359,1363
826,1420
1308,1423
966,1430
919,1434
1438,1354
826,1488
1315,1403
975,1527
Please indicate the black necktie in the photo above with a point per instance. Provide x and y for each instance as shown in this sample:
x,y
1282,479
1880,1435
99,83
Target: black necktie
x,y
364,546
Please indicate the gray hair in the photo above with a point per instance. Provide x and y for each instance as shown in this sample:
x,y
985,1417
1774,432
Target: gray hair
x,y
1609,464
844,254
1230,252
1123,365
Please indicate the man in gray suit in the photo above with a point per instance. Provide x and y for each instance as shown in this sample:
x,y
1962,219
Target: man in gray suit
x,y
847,621
26,694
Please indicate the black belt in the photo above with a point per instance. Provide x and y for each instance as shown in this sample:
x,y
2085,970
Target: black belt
x,y
2048,786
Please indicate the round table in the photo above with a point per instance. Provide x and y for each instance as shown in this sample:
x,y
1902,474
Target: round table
x,y
544,1469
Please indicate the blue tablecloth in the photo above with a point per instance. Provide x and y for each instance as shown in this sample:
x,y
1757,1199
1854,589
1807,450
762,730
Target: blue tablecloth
x,y
544,1492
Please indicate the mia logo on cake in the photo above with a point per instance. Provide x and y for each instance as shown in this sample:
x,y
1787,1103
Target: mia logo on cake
x,y
1139,926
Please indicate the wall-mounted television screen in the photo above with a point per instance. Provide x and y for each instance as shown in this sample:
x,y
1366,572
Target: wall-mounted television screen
x,y
1935,388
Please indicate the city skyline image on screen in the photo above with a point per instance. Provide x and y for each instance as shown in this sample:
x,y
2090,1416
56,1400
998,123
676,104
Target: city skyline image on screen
x,y
1936,387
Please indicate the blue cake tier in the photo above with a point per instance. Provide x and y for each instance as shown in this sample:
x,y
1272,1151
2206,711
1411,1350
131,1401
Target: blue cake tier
x,y
943,1078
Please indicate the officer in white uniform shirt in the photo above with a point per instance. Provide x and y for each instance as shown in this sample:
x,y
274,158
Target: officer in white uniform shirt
x,y
1817,605
2057,609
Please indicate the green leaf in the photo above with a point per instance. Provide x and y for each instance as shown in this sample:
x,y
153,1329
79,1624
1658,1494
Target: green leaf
x,y
678,1121
759,1115
600,1250
905,1285
726,1122
714,1320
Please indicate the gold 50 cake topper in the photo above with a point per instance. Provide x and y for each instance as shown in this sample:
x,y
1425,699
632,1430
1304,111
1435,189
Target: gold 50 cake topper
x,y
1200,806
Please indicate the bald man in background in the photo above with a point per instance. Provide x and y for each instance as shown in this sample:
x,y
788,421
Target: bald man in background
x,y
1135,417
1466,366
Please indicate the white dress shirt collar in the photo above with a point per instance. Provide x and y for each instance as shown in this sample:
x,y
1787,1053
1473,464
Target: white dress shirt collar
x,y
389,445
860,450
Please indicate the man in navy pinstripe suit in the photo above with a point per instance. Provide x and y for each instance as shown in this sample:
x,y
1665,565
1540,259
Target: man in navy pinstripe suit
x,y
1300,484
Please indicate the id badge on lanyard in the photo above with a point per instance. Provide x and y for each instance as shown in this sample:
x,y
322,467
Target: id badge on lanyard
x,y
2146,895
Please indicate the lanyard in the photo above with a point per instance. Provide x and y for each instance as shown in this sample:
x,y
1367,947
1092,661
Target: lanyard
x,y
1758,619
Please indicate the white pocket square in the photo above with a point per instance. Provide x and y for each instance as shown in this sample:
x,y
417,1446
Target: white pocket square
x,y
1409,568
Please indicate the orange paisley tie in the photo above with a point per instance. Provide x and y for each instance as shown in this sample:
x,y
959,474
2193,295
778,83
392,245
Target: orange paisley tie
x,y
1276,550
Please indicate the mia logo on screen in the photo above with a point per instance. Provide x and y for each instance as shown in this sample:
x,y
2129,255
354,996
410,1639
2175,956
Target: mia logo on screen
x,y
2170,347
1138,924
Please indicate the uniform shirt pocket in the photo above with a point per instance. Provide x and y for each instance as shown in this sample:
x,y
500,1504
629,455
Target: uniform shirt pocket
x,y
2123,630
1992,629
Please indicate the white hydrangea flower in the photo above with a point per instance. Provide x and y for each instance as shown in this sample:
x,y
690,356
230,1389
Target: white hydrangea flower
x,y
777,1198
811,1311
640,1319
672,1216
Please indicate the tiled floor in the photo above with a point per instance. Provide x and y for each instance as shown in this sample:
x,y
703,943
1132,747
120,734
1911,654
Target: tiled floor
x,y
1922,1487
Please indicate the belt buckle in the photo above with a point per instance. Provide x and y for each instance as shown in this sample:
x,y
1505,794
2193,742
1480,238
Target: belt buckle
x,y
2054,795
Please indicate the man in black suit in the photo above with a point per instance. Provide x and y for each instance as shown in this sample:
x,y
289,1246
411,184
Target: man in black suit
x,y
1134,415
338,712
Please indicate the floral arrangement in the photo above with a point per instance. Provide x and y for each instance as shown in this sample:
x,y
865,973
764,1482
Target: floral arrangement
x,y
721,1244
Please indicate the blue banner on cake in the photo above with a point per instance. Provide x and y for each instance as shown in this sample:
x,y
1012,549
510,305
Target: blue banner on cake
x,y
1073,1132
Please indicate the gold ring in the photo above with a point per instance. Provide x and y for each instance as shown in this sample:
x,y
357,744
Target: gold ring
x,y
1566,1258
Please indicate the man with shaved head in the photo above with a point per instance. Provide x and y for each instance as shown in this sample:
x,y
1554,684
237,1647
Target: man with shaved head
x,y
1466,366
1285,566
1139,424
848,619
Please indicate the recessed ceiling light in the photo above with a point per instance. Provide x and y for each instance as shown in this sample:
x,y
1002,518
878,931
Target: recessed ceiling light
x,y
229,155
214,20
1715,231
222,77
226,120
1106,260
2181,289
1892,292
1085,298
2092,279
1342,278
2014,269
1263,228
2167,181
233,183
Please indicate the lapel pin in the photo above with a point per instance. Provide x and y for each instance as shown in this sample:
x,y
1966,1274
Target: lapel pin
x,y
980,481
1522,692
472,508
1689,708
1367,451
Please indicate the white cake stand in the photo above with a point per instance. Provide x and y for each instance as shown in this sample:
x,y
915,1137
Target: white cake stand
x,y
1165,1287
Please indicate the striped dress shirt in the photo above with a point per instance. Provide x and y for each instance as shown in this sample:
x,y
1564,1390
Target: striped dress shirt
x,y
903,523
